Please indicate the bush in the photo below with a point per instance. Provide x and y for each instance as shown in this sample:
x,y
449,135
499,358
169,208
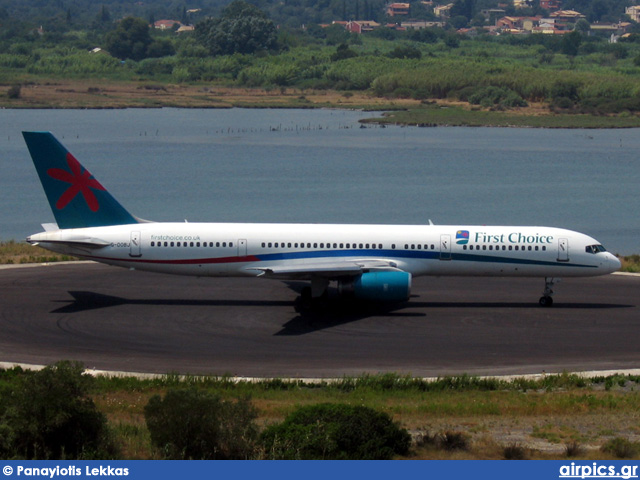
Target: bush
x,y
489,96
452,441
50,416
405,51
335,431
190,424
621,448
515,451
14,92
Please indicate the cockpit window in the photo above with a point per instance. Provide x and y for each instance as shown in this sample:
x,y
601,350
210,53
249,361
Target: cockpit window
x,y
595,249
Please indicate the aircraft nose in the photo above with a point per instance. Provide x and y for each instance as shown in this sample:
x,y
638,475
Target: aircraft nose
x,y
614,263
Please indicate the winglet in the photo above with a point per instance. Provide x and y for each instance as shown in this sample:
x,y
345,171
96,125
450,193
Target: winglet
x,y
76,198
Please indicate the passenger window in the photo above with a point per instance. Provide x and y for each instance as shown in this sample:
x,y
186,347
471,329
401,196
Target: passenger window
x,y
153,244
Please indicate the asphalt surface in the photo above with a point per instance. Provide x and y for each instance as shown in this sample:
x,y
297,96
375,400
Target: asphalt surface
x,y
115,319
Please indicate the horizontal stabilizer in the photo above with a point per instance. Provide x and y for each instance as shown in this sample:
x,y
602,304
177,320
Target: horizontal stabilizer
x,y
60,238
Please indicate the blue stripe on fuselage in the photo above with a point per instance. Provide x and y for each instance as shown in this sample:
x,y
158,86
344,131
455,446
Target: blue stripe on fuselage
x,y
411,254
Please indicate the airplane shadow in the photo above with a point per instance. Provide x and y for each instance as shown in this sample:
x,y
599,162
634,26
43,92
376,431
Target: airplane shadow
x,y
334,313
84,301
312,318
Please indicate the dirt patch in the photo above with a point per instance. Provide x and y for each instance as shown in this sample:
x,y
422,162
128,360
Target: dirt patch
x,y
104,94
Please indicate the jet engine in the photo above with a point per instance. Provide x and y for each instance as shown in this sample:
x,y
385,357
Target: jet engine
x,y
378,286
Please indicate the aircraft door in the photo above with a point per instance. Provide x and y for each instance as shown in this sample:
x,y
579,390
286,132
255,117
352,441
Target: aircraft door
x,y
242,247
445,247
563,249
134,245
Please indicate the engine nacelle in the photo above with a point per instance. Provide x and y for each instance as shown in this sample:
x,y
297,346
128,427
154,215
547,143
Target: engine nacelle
x,y
378,286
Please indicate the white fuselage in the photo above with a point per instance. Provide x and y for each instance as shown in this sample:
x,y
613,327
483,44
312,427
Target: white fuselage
x,y
239,249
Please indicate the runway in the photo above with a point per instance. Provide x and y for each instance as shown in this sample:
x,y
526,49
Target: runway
x,y
115,319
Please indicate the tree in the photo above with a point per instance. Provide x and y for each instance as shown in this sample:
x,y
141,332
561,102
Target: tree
x,y
571,43
342,53
405,51
242,28
51,416
130,39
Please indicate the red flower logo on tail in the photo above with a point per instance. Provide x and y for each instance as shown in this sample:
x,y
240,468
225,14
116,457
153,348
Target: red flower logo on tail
x,y
81,182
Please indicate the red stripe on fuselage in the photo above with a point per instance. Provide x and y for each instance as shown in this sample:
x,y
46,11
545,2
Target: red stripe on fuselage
x,y
186,261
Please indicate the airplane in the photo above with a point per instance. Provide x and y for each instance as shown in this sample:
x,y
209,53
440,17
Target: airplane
x,y
367,262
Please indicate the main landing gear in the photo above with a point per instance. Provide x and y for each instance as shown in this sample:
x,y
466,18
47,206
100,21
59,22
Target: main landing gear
x,y
546,299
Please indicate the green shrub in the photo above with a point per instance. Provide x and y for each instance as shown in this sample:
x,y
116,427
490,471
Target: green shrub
x,y
192,424
489,96
49,415
621,448
335,431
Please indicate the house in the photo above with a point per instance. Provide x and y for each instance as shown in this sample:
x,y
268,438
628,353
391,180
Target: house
x,y
166,24
185,28
394,9
550,4
491,14
420,24
442,10
633,12
518,24
570,16
361,26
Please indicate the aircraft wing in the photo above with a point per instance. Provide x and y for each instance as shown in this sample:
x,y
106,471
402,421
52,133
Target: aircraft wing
x,y
329,270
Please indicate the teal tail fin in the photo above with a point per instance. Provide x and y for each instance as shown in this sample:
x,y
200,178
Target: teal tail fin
x,y
77,199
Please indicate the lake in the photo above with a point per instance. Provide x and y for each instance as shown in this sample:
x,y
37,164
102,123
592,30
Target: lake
x,y
282,165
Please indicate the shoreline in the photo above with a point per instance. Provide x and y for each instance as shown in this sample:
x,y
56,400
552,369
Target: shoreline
x,y
105,94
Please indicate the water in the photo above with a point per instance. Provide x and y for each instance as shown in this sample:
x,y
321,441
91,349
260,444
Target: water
x,y
318,166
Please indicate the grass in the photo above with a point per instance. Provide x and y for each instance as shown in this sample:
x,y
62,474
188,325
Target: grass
x,y
454,115
450,418
13,252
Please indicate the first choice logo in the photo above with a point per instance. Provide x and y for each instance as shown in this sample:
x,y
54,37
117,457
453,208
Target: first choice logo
x,y
513,238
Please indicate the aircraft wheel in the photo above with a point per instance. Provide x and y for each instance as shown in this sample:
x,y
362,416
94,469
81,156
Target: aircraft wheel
x,y
306,294
546,301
